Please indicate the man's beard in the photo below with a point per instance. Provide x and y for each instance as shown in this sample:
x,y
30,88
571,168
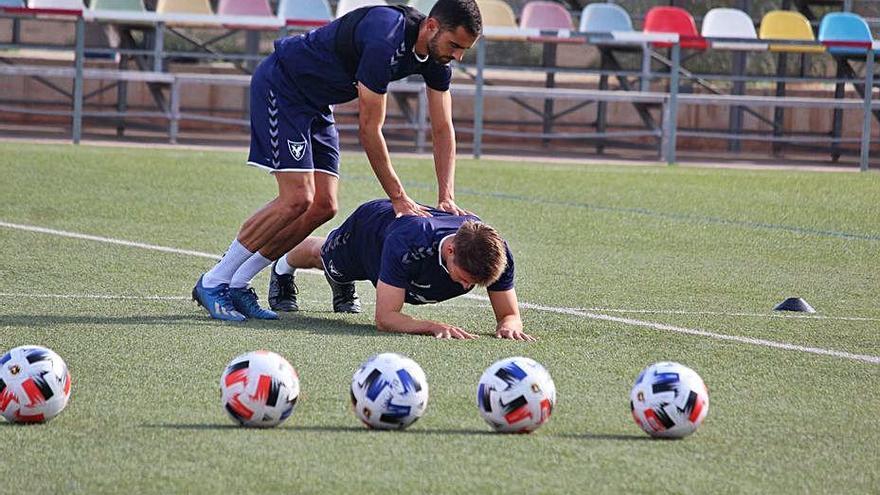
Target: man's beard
x,y
434,50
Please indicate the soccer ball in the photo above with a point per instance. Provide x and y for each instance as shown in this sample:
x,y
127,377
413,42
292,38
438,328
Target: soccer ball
x,y
669,400
259,389
34,385
516,395
389,392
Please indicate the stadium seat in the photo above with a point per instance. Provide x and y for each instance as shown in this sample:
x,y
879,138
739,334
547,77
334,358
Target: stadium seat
x,y
604,18
346,6
542,14
674,20
423,6
309,11
788,25
124,5
845,27
11,3
731,23
244,7
496,13
184,7
56,4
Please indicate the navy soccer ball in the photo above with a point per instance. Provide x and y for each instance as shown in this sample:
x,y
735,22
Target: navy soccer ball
x,y
389,391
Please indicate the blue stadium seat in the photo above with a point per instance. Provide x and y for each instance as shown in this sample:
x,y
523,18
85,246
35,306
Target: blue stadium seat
x,y
846,27
311,11
11,3
604,18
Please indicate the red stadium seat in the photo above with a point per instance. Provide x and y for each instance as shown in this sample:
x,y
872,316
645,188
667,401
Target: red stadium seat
x,y
674,20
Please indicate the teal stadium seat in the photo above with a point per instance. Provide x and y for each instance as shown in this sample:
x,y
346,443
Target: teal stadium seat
x,y
604,18
423,6
124,5
845,27
311,12
346,6
542,14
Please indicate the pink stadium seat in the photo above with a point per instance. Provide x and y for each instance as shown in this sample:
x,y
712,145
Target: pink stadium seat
x,y
674,20
542,14
244,7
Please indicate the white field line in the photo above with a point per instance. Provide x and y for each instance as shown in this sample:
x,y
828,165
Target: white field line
x,y
692,331
550,309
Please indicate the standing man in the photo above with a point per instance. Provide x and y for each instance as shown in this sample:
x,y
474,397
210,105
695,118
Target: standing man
x,y
293,133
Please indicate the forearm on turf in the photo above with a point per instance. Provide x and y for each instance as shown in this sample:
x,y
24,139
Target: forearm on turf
x,y
396,322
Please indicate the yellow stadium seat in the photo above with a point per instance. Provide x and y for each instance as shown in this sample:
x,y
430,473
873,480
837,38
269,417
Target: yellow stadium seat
x,y
788,25
184,7
496,13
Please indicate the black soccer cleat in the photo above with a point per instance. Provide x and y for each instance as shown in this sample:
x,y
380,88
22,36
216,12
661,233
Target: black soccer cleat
x,y
282,291
345,299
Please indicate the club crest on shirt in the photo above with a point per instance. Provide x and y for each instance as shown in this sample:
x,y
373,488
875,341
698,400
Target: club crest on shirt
x,y
297,149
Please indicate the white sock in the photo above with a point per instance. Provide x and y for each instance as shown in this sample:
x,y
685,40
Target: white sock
x,y
248,270
282,267
227,266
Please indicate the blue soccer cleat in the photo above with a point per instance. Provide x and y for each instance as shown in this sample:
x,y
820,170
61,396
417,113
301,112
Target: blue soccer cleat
x,y
244,299
216,300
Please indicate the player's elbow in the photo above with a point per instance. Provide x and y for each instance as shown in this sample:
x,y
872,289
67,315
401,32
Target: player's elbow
x,y
383,323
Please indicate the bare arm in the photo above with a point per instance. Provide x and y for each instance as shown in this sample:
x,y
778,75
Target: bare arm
x,y
443,137
371,107
509,324
389,302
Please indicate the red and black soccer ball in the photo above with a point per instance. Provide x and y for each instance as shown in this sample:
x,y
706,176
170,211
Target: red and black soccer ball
x,y
34,385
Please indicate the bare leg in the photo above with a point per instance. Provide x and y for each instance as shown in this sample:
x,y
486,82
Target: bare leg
x,y
307,254
296,192
323,207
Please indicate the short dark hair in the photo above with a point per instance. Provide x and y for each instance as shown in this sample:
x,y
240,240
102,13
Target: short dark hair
x,y
480,251
454,13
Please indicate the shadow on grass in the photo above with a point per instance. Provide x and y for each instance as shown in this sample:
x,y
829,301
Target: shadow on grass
x,y
605,436
292,321
314,428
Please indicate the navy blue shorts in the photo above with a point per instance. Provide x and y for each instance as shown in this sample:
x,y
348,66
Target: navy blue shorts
x,y
288,135
335,255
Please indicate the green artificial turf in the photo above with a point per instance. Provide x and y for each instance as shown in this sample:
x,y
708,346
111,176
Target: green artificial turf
x,y
698,249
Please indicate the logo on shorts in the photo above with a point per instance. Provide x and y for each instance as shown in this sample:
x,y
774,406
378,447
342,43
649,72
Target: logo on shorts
x,y
297,149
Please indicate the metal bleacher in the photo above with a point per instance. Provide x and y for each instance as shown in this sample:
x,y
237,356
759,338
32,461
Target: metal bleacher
x,y
648,65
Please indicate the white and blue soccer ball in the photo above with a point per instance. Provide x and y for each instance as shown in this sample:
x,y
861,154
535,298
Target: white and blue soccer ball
x,y
259,389
516,395
34,384
389,392
669,400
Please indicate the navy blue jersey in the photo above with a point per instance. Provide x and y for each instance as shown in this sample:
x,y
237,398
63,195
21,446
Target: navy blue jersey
x,y
403,252
314,68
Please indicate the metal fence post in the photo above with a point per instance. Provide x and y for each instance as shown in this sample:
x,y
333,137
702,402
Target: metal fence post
x,y
174,124
78,79
159,47
672,115
867,114
478,98
645,80
422,121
